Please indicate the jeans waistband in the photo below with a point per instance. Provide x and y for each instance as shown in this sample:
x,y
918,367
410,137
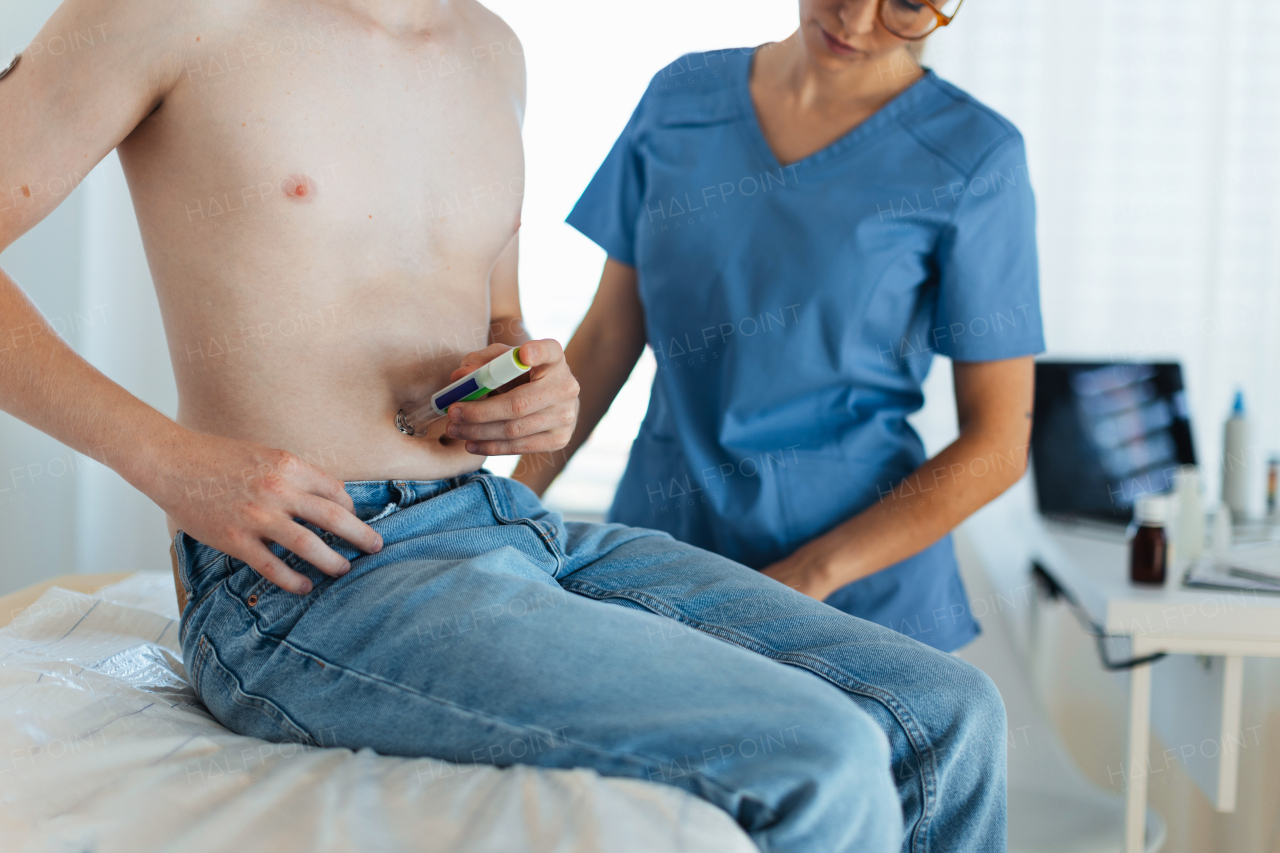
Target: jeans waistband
x,y
375,499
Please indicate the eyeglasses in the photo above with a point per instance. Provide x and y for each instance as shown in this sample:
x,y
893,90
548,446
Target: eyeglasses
x,y
913,20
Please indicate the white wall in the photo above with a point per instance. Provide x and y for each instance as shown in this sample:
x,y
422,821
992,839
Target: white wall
x,y
60,512
1153,135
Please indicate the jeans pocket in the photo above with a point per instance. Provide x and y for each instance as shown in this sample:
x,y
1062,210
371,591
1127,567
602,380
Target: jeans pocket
x,y
243,712
523,503
200,567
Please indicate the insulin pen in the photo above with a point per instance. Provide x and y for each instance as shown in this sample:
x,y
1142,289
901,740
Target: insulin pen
x,y
476,384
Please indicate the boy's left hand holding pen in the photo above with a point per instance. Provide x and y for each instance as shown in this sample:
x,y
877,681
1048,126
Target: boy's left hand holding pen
x,y
536,413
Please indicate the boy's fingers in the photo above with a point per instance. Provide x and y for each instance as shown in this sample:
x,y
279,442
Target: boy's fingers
x,y
324,485
330,517
553,417
521,401
540,443
532,353
545,351
271,567
301,541
473,360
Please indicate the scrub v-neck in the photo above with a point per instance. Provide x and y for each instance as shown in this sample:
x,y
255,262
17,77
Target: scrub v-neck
x,y
870,125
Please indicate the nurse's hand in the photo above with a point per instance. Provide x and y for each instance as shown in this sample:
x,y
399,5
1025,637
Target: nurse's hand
x,y
534,414
808,570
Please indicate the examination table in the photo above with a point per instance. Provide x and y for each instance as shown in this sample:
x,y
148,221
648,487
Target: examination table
x,y
104,747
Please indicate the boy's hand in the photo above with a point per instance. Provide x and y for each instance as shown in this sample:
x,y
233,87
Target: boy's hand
x,y
236,496
533,414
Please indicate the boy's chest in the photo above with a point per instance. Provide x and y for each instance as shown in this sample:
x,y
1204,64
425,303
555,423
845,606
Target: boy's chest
x,y
331,128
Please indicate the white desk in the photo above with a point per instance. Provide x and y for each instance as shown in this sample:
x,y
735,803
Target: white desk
x,y
1093,567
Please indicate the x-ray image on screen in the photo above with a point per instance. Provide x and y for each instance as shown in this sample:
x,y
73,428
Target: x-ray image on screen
x,y
1104,433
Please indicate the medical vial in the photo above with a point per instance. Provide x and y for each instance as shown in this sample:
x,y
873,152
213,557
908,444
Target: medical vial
x,y
1273,484
1149,545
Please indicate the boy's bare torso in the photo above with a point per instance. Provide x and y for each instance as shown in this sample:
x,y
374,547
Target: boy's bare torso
x,y
322,202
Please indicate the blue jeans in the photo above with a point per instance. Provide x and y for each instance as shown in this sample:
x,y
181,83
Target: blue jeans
x,y
490,630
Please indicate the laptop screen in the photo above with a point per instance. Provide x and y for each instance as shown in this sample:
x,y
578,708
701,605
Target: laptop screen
x,y
1104,433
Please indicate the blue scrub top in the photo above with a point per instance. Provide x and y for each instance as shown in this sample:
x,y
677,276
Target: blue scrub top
x,y
794,312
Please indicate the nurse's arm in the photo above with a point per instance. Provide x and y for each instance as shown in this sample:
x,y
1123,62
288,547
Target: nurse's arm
x,y
993,401
601,355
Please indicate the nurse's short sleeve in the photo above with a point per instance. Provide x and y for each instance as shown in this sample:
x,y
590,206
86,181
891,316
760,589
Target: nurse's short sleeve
x,y
608,210
988,305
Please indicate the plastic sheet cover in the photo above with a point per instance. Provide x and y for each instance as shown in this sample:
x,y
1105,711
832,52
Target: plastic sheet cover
x,y
104,747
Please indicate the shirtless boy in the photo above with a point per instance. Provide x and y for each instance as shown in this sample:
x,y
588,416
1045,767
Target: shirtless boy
x,y
363,157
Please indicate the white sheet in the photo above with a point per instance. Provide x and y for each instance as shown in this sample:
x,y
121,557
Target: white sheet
x,y
104,747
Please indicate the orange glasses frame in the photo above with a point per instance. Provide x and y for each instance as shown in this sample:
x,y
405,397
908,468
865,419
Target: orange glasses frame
x,y
943,20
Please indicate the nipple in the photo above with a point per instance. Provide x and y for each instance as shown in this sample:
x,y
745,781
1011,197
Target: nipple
x,y
298,187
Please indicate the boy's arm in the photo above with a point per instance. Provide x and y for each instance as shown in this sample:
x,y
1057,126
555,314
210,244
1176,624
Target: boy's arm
x,y
603,352
538,413
60,116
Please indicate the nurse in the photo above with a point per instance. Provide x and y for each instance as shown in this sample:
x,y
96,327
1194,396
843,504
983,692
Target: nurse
x,y
796,230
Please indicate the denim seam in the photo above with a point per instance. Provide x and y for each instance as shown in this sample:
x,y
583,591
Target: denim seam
x,y
232,570
644,762
263,587
505,514
193,672
256,588
498,503
192,607
212,653
184,576
903,717
193,666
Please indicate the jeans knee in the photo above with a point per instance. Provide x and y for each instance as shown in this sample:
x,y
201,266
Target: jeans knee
x,y
858,739
860,785
979,713
828,766
834,738
987,700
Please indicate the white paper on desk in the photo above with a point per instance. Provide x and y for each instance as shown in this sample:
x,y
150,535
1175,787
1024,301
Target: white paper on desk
x,y
1260,561
1205,572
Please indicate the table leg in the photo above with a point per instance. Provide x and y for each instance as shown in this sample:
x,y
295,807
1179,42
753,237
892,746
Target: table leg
x,y
1135,814
1229,740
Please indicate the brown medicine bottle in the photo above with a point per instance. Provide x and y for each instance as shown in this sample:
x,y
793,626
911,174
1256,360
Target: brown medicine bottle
x,y
1149,546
